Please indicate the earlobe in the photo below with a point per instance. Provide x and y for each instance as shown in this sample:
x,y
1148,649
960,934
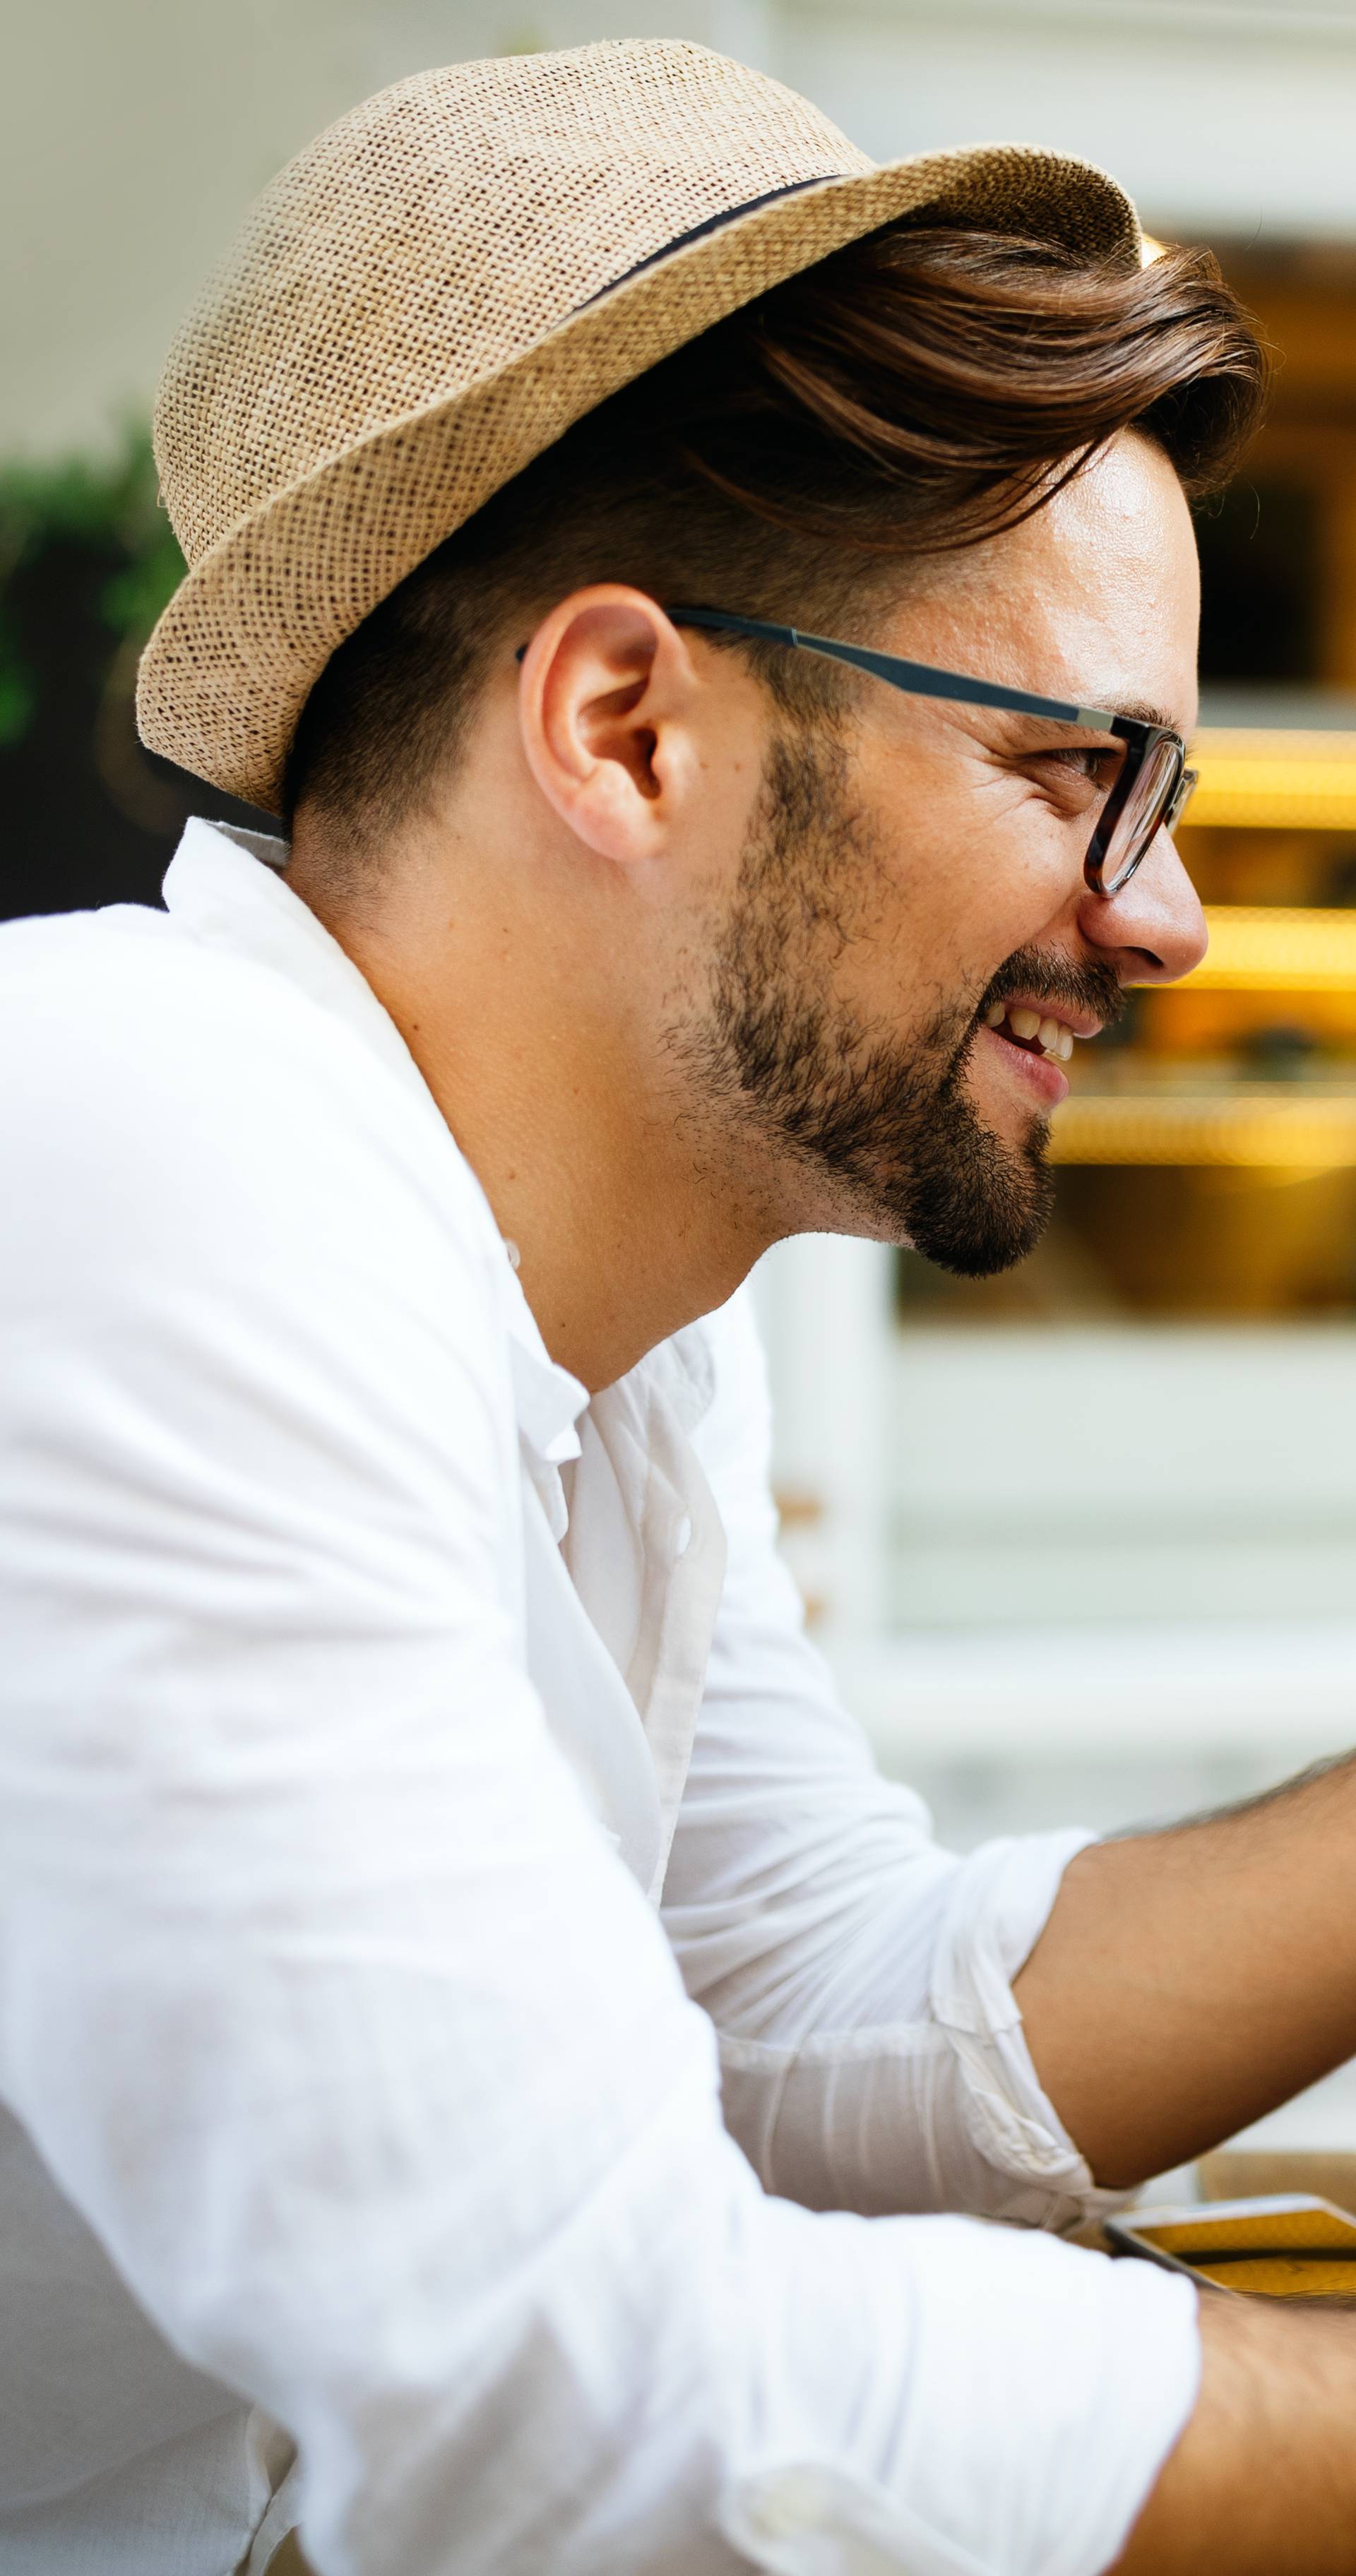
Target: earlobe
x,y
604,706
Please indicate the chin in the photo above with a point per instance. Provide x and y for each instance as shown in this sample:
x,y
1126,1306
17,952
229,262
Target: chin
x,y
974,1210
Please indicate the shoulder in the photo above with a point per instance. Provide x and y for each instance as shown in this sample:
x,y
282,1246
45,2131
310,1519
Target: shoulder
x,y
128,992
132,996
166,1103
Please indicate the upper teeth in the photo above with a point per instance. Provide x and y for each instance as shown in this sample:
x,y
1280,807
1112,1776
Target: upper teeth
x,y
1052,1037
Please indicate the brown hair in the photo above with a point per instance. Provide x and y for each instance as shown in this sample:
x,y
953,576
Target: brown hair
x,y
919,391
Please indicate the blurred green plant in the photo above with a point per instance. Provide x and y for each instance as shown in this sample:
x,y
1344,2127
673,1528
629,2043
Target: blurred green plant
x,y
108,506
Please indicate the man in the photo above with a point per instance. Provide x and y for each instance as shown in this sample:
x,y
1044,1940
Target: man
x,y
415,1776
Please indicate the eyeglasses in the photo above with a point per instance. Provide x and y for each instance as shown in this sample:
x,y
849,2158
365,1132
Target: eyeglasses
x,y
1145,797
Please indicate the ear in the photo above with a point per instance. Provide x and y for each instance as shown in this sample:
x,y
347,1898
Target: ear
x,y
608,705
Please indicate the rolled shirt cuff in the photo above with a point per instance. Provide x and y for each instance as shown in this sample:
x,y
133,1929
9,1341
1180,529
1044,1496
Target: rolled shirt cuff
x,y
999,1904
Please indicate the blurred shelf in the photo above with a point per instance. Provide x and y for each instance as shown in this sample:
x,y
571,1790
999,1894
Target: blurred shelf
x,y
1291,1131
1104,1691
1270,707
1272,779
1271,948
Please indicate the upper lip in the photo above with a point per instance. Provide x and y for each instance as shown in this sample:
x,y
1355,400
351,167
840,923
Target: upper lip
x,y
1085,1024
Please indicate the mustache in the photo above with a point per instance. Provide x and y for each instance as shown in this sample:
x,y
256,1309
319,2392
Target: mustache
x,y
1093,986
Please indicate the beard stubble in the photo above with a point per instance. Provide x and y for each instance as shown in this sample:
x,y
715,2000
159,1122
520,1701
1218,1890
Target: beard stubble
x,y
887,1124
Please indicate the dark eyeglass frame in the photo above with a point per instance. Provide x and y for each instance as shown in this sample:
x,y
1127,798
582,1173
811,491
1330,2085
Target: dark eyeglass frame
x,y
1143,742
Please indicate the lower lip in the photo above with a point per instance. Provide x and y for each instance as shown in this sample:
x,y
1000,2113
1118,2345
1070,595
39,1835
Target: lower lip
x,y
1049,1083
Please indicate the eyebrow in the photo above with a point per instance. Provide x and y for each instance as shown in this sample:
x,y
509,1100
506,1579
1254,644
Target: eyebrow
x,y
1150,715
1136,708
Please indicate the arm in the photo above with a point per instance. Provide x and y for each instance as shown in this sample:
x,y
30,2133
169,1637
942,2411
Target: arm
x,y
321,1995
858,1975
1190,1980
807,1899
1264,2477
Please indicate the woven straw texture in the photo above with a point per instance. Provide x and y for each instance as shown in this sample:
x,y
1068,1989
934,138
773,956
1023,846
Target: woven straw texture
x,y
438,287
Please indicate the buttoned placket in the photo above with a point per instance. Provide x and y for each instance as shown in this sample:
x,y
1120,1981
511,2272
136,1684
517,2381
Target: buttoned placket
x,y
658,1639
646,1422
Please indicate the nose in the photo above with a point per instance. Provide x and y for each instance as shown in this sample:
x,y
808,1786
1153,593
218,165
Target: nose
x,y
1154,930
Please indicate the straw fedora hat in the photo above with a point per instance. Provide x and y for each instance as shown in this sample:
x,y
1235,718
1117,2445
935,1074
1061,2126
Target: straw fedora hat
x,y
442,283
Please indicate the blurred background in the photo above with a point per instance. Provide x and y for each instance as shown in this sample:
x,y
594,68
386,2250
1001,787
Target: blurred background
x,y
1082,1542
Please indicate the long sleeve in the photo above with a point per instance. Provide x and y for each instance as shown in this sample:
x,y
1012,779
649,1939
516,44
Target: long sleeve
x,y
859,1976
322,1995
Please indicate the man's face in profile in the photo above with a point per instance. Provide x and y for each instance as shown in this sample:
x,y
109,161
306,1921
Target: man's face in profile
x,y
911,952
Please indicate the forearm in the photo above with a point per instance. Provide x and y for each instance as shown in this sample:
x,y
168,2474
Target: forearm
x,y
1264,2478
1188,1981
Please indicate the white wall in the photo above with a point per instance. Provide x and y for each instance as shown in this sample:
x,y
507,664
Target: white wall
x,y
1218,118
824,1304
1120,1475
132,132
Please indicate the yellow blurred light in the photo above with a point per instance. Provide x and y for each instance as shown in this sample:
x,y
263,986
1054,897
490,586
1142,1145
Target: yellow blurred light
x,y
1274,780
1150,249
1270,948
1243,1129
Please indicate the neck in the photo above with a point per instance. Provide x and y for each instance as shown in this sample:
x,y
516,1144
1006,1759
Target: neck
x,y
624,1229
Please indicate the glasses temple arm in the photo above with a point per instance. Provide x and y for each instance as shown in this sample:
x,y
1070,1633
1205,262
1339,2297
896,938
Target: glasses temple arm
x,y
917,679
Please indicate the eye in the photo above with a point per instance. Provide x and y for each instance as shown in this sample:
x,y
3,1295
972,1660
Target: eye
x,y
1076,773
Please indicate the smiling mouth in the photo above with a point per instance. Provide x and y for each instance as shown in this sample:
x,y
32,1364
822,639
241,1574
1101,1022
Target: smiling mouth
x,y
1034,1032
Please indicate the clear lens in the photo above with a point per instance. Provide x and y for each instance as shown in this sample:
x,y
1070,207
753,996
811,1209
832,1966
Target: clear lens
x,y
1145,809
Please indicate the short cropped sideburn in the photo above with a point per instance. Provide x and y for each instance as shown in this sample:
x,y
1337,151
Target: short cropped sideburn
x,y
919,391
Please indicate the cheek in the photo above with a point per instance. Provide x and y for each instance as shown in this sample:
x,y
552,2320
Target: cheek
x,y
979,877
1021,853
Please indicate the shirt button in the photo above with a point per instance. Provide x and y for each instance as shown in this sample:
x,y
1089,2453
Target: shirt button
x,y
682,1539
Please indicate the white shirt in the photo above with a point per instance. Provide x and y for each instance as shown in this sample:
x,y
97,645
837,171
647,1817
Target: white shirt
x,y
417,1795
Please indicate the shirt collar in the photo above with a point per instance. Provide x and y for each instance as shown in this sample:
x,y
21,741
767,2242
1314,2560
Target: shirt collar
x,y
225,886
219,891
548,1401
